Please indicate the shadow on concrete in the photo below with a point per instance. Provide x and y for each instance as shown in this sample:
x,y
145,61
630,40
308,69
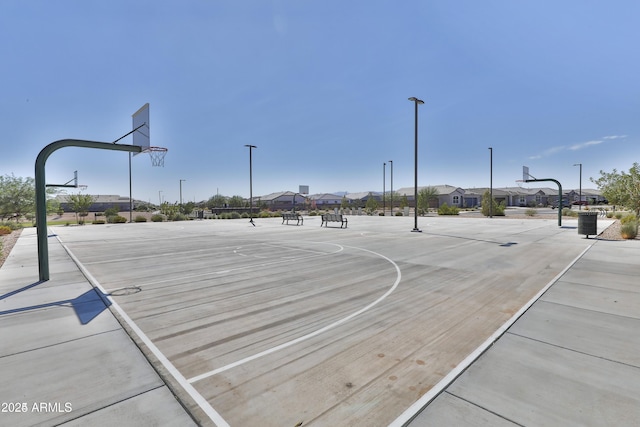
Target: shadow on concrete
x,y
87,306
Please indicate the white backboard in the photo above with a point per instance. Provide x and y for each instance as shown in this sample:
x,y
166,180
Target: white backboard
x,y
141,123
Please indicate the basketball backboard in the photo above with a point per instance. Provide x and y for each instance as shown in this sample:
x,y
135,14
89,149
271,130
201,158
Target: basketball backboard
x,y
141,128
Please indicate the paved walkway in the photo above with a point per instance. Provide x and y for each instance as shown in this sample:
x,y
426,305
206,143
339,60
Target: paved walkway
x,y
572,358
65,359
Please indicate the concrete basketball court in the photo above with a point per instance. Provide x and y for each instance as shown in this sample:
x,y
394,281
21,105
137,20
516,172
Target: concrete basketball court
x,y
284,325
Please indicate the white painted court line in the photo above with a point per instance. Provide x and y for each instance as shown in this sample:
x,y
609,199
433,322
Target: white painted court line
x,y
312,334
408,415
197,397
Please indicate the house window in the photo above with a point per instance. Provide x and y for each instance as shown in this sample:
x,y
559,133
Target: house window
x,y
456,200
522,200
538,198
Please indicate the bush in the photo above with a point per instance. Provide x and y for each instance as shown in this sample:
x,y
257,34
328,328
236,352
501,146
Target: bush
x,y
157,218
4,230
99,221
530,212
609,214
628,218
178,217
313,213
235,215
448,210
399,213
262,214
140,218
116,219
12,225
618,215
629,230
246,215
569,212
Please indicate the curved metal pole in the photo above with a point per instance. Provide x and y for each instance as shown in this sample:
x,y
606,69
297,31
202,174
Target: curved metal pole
x,y
41,193
559,195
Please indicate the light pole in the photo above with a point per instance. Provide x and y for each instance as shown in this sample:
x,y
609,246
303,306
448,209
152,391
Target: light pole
x,y
580,193
181,192
490,182
160,198
391,191
251,147
384,191
416,101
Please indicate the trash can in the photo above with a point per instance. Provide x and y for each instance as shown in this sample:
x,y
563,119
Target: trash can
x,y
588,223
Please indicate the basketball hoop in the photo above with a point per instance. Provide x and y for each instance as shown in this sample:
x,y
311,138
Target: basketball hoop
x,y
157,155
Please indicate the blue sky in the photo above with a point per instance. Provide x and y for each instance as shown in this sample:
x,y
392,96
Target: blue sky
x,y
321,88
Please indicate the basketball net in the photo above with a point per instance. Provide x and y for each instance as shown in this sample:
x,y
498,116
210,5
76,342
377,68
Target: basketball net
x,y
157,155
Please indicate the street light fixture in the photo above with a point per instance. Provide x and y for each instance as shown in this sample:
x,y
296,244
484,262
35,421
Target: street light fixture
x,y
416,101
580,194
384,191
391,193
181,192
251,147
490,182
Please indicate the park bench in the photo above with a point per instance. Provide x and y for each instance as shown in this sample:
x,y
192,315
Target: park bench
x,y
326,218
287,216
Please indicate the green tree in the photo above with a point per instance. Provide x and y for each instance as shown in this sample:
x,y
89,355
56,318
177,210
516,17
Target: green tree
x,y
217,201
487,202
80,204
404,201
17,196
344,203
621,188
425,196
236,202
372,204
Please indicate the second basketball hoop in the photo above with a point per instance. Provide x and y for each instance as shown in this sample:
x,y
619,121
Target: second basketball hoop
x,y
157,155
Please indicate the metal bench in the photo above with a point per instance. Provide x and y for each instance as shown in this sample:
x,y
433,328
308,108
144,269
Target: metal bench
x,y
290,216
326,218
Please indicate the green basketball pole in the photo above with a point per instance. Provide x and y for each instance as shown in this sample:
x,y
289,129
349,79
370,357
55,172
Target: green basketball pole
x,y
41,194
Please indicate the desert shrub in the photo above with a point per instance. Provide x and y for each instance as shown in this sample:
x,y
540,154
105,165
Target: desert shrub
x,y
98,221
117,219
619,215
445,209
399,213
530,212
4,230
157,218
380,213
112,211
12,225
178,217
609,214
568,212
140,218
313,213
246,215
629,230
235,215
628,218
262,214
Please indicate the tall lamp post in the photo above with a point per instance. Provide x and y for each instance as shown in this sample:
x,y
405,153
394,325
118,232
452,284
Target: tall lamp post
x,y
391,191
384,190
160,198
181,181
490,182
416,101
580,194
251,147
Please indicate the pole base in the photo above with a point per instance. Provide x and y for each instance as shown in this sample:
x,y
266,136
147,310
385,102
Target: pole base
x,y
416,230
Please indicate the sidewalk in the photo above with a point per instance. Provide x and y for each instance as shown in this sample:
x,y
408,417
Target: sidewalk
x,y
65,359
572,359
